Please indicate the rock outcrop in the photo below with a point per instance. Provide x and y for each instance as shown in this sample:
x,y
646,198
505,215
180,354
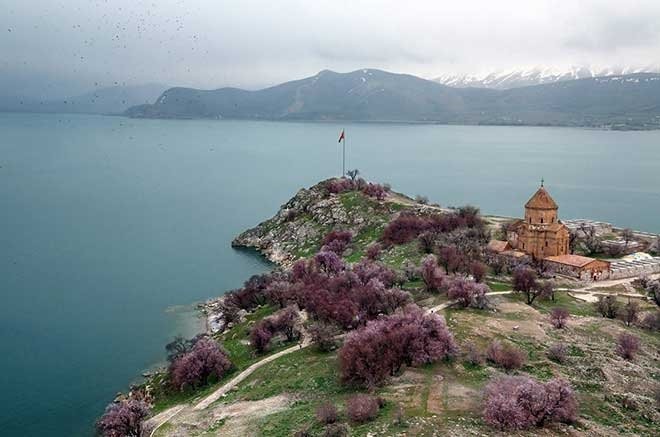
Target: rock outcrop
x,y
298,228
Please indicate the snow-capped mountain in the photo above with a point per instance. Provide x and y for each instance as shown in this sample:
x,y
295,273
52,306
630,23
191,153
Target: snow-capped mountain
x,y
535,76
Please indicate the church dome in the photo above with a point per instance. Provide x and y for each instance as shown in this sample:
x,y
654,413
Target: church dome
x,y
541,200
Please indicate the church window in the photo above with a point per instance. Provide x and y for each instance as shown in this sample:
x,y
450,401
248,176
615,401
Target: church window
x,y
541,219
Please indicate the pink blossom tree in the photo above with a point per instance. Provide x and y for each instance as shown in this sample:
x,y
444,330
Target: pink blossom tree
x,y
517,402
206,362
558,317
431,274
123,419
373,353
505,356
467,293
337,241
362,408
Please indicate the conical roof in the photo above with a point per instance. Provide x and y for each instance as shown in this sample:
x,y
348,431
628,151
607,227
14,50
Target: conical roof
x,y
541,200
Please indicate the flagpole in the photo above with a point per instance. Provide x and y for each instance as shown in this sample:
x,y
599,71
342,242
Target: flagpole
x,y
343,163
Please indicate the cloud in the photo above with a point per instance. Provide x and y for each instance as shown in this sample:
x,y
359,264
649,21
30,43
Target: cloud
x,y
249,43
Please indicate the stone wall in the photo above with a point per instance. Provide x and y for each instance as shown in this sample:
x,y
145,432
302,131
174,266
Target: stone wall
x,y
600,228
629,269
597,272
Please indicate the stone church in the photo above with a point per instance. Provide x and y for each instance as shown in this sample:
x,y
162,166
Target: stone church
x,y
540,234
543,237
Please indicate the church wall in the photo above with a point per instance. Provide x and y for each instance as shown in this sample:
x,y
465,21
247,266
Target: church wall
x,y
543,243
540,216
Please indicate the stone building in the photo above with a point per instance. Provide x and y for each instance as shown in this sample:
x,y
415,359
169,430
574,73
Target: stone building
x,y
581,267
540,234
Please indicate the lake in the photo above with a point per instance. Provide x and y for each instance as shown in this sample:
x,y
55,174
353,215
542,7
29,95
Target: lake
x,y
111,228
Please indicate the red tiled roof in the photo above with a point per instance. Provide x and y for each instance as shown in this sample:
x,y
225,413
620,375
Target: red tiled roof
x,y
498,246
571,260
541,200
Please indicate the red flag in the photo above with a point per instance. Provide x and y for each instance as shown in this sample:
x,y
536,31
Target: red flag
x,y
342,136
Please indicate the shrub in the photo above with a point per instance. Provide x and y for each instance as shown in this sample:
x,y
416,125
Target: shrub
x,y
506,356
653,290
279,293
607,306
252,294
518,402
627,346
630,313
374,190
373,353
651,321
431,273
337,430
323,336
467,293
558,352
337,241
478,270
404,228
123,419
206,362
284,321
373,251
338,186
450,258
427,242
558,317
260,337
473,355
329,262
327,413
362,408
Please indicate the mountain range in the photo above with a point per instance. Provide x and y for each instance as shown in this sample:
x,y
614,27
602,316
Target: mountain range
x,y
516,78
628,101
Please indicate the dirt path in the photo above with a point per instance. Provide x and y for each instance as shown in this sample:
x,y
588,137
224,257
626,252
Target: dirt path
x,y
591,291
163,417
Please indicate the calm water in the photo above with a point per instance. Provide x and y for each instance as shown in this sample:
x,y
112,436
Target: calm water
x,y
110,228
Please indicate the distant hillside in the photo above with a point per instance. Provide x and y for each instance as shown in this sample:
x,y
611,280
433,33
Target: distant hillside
x,y
625,102
516,78
108,100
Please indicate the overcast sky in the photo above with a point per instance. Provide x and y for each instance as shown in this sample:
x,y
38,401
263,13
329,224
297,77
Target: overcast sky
x,y
68,46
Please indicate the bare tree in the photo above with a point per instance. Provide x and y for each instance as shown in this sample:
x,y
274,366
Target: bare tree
x,y
353,174
590,240
627,235
573,241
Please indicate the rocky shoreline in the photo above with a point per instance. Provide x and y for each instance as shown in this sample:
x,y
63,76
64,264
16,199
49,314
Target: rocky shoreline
x,y
212,310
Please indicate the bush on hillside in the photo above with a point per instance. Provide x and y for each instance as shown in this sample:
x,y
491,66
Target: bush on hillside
x,y
362,408
373,353
123,419
205,362
514,403
627,346
506,356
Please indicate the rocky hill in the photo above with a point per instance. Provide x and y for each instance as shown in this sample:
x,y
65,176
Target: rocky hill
x,y
298,228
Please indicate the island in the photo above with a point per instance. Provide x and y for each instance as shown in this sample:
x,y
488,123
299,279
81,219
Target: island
x,y
388,315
